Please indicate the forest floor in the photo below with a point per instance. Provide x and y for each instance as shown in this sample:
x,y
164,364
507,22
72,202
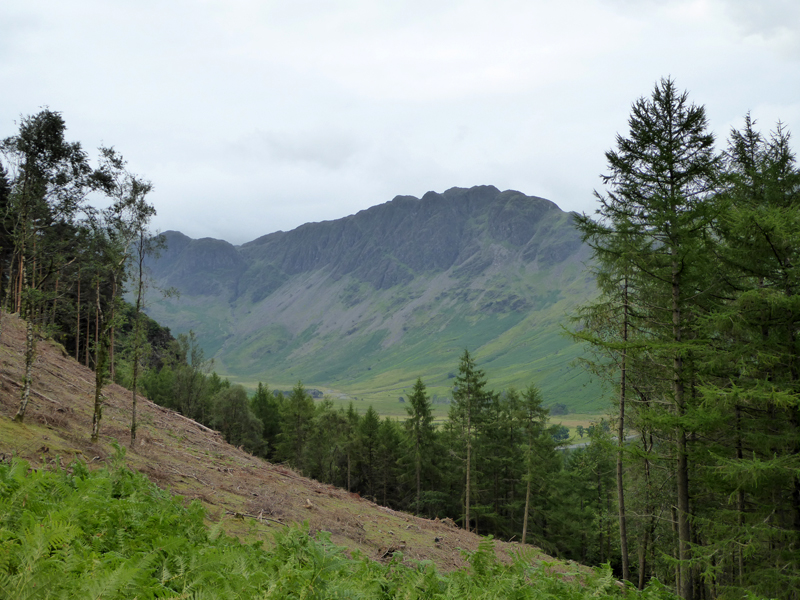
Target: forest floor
x,y
252,497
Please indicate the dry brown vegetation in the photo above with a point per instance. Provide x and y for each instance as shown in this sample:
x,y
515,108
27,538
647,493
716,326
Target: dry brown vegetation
x,y
251,496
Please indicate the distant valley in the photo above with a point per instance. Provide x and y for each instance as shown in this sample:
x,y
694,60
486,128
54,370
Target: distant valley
x,y
361,306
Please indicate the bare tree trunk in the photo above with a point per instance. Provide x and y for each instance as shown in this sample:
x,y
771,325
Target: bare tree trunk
x,y
469,469
111,344
623,529
527,508
78,321
675,548
100,362
740,495
7,296
88,335
96,319
138,342
599,510
30,355
682,488
643,559
20,272
134,384
418,461
136,358
649,534
55,300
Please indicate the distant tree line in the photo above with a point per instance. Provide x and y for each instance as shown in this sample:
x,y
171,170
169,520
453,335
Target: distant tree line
x,y
493,466
697,328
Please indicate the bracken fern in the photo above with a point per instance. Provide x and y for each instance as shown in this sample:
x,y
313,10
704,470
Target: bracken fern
x,y
111,534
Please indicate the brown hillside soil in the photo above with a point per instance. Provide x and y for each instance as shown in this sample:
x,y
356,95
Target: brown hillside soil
x,y
250,495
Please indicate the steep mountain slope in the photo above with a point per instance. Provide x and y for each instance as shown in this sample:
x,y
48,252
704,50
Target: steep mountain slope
x,y
251,497
365,304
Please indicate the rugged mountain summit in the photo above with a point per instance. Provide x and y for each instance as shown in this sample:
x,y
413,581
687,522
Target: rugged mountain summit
x,y
366,303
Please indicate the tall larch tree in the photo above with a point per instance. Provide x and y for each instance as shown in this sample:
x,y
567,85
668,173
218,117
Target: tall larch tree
x,y
470,399
297,419
754,382
654,225
533,419
419,430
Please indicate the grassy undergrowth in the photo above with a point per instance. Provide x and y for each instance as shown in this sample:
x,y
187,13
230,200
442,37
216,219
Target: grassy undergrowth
x,y
111,533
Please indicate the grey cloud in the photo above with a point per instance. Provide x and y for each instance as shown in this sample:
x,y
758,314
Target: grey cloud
x,y
322,148
766,18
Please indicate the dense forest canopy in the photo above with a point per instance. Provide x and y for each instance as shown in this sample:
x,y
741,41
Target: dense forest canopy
x,y
697,327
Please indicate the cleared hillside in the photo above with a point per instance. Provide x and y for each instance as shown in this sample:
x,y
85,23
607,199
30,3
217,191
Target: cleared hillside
x,y
251,496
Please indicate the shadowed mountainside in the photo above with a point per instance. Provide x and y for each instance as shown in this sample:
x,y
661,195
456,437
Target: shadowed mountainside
x,y
365,304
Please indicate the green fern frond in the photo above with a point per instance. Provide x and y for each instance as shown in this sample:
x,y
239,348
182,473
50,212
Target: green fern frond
x,y
121,578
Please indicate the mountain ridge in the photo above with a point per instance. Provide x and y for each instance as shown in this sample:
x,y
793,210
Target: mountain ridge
x,y
386,294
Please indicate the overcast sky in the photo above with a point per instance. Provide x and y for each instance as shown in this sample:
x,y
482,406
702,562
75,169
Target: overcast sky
x,y
252,116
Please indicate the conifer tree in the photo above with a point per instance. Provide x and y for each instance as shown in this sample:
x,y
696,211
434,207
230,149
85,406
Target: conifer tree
x,y
266,407
326,444
353,422
754,363
470,399
533,418
654,227
368,436
389,449
420,431
234,419
296,423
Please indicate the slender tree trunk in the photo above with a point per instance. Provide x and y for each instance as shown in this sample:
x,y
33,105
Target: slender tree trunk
x,y
469,470
643,559
30,355
676,547
8,292
97,414
96,319
623,529
527,508
30,352
385,484
418,460
600,512
686,590
649,534
88,335
2,271
55,299
740,495
20,277
78,320
682,485
111,344
100,363
137,349
134,385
